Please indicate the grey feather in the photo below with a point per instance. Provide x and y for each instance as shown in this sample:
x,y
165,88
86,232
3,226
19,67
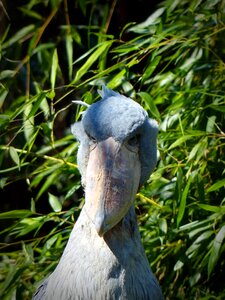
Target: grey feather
x,y
41,291
113,268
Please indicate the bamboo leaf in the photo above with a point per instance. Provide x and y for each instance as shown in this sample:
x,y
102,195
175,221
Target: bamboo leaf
x,y
163,225
183,202
7,74
54,202
69,50
27,225
37,103
50,180
54,68
14,155
216,186
94,56
15,214
72,190
117,80
211,208
150,104
150,68
28,122
18,36
180,141
215,251
3,94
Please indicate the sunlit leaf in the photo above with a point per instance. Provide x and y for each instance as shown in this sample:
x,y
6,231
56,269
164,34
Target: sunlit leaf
x,y
180,141
7,74
50,180
69,50
216,186
182,205
94,56
14,214
72,190
117,80
151,67
54,202
37,103
14,155
211,208
148,100
18,36
28,122
27,225
54,68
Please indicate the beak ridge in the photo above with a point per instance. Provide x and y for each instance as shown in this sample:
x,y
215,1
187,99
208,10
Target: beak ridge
x,y
112,180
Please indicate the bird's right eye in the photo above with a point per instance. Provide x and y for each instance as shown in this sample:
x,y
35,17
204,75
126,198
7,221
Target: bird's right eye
x,y
91,138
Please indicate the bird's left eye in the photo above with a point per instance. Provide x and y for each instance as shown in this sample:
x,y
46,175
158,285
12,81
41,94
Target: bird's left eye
x,y
93,139
133,143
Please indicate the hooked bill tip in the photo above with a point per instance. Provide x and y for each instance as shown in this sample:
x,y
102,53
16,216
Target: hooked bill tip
x,y
99,225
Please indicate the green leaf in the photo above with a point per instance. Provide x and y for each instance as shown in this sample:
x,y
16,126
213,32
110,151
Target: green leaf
x,y
37,103
18,36
220,108
28,122
3,93
150,68
215,251
14,155
94,56
11,280
163,225
13,168
7,74
216,186
179,264
27,225
211,208
15,214
183,202
117,80
72,190
210,127
54,69
31,13
69,50
54,202
180,141
50,180
148,100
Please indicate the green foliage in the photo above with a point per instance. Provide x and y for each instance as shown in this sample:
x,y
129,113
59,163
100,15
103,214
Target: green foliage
x,y
173,65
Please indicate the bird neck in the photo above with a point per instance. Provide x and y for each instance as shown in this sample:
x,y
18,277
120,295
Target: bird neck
x,y
124,239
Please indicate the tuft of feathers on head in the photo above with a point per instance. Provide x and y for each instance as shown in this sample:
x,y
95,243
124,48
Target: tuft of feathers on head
x,y
79,102
106,92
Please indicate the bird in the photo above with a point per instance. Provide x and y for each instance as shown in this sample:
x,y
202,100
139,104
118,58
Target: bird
x,y
104,258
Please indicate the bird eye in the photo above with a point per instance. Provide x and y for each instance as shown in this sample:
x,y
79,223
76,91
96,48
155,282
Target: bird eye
x,y
133,143
91,138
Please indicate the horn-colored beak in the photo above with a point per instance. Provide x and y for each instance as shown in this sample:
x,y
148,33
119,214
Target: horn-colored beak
x,y
112,180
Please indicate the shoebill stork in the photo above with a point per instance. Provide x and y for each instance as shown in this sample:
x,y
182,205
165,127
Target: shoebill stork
x,y
104,258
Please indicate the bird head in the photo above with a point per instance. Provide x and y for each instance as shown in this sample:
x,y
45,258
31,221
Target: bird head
x,y
117,154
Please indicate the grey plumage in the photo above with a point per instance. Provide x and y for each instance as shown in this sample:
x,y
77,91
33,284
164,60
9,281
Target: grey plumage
x,y
104,257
